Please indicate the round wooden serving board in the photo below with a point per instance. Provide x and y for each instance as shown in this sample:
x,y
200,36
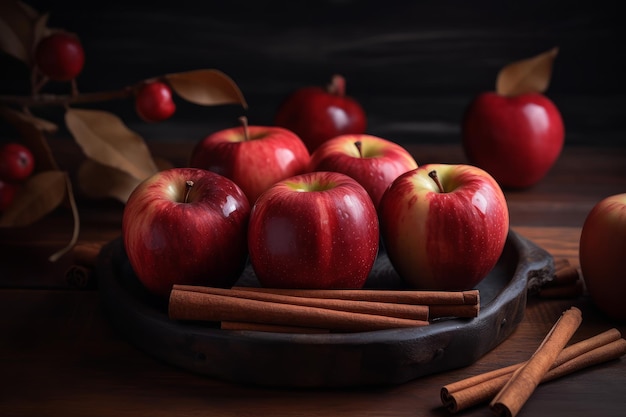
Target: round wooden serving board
x,y
382,357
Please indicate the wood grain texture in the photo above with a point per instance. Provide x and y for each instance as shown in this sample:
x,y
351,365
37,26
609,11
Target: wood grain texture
x,y
59,355
414,65
76,364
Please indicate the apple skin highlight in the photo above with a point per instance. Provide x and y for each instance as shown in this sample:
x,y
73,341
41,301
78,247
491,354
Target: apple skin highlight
x,y
176,235
516,139
316,230
254,159
445,240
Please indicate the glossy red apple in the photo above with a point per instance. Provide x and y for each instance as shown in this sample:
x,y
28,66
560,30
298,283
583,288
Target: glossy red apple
x,y
317,114
154,102
255,157
602,251
315,230
186,226
444,226
373,161
516,139
16,162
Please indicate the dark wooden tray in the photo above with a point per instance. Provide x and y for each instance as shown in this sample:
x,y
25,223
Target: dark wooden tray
x,y
324,360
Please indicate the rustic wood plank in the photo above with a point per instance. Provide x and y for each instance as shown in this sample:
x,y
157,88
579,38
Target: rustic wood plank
x,y
62,357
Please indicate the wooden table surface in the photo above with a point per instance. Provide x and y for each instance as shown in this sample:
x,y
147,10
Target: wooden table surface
x,y
60,356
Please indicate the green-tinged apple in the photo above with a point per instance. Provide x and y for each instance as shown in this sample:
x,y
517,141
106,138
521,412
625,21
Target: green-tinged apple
x,y
516,139
444,226
602,251
186,226
315,230
373,161
255,157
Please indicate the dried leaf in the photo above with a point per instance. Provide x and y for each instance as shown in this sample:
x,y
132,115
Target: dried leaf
x,y
16,30
40,194
104,138
11,43
527,75
206,87
41,29
32,130
99,181
15,117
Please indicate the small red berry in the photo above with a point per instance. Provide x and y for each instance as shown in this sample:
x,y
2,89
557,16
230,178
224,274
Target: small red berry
x,y
154,103
7,194
16,162
60,56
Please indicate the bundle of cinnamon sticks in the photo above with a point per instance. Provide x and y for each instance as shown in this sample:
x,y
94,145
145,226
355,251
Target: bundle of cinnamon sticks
x,y
318,311
507,389
566,282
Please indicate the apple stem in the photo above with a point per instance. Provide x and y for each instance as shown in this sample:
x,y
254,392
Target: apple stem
x,y
244,123
188,185
359,147
433,174
337,85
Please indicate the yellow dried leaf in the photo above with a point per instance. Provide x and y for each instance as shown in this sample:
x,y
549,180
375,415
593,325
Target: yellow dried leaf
x,y
527,75
11,43
104,138
206,87
40,194
32,130
15,117
99,181
41,29
16,30
29,10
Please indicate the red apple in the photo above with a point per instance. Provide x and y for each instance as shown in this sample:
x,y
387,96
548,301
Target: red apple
x,y
186,226
317,114
602,251
16,162
374,162
444,226
516,139
255,157
315,230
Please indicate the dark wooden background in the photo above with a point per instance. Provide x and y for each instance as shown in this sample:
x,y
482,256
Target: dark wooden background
x,y
414,65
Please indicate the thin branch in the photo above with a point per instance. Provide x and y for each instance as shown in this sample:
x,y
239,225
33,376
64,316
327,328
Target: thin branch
x,y
40,100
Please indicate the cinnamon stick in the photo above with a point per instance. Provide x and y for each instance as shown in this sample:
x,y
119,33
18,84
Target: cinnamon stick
x,y
561,263
566,275
406,311
451,310
86,253
261,327
481,388
386,296
525,379
78,276
562,291
566,282
194,305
